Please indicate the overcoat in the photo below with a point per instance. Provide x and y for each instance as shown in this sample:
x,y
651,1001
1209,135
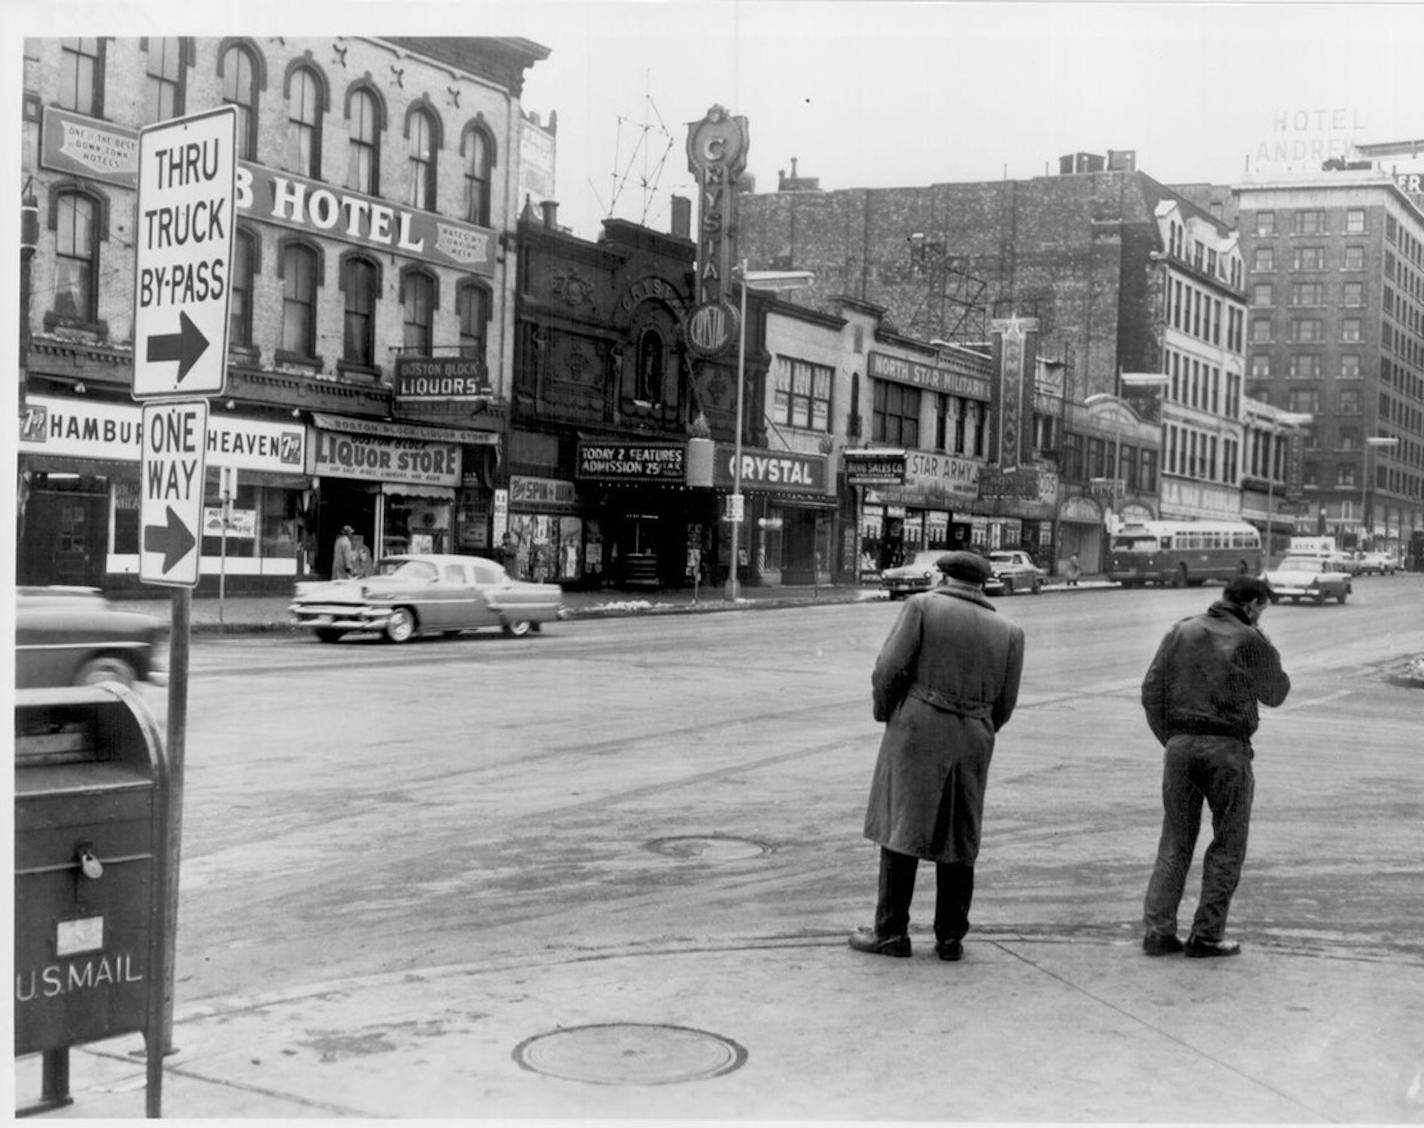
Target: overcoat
x,y
946,680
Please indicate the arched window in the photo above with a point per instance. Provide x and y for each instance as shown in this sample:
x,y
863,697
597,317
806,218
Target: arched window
x,y
478,151
244,265
81,76
300,275
76,259
473,305
361,281
363,168
421,131
166,82
418,299
648,383
304,111
240,84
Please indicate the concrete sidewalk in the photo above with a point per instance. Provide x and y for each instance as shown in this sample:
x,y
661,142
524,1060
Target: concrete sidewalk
x,y
243,613
800,1027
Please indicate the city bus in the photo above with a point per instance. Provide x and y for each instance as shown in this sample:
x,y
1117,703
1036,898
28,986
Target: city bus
x,y
1183,552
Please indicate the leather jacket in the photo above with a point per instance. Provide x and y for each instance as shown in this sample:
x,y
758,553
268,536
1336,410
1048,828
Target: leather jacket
x,y
1209,673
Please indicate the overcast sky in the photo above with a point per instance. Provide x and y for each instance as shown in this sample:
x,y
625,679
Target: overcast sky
x,y
871,93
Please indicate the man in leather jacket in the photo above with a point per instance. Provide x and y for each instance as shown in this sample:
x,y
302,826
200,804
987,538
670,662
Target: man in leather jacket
x,y
1201,696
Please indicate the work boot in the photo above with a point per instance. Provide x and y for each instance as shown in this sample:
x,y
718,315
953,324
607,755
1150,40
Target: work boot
x,y
1199,949
867,940
1160,944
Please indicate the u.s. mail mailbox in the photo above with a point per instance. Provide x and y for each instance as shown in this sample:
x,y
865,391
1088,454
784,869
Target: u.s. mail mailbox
x,y
91,839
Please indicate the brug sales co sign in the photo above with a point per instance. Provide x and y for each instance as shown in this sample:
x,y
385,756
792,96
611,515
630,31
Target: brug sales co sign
x,y
183,236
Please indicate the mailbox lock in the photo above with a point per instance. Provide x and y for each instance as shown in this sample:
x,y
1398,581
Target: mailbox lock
x,y
91,865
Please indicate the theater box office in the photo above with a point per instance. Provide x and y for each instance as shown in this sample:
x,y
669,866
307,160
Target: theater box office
x,y
79,462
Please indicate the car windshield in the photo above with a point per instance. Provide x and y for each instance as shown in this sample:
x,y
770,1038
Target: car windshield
x,y
924,559
415,571
1298,564
1001,558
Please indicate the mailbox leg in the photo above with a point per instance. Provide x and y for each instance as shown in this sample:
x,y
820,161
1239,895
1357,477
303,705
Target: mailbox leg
x,y
54,1084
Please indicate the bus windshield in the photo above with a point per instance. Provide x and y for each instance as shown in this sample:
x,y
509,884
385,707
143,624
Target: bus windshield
x,y
1140,543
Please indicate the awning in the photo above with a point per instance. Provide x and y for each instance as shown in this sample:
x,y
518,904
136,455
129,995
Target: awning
x,y
351,426
87,467
417,489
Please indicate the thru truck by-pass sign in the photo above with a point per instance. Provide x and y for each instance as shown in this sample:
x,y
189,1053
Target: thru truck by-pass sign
x,y
183,233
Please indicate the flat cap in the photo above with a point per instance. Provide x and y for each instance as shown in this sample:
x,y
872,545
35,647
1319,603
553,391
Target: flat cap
x,y
967,567
347,529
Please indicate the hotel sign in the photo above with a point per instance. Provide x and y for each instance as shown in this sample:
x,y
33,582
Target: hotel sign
x,y
88,147
85,146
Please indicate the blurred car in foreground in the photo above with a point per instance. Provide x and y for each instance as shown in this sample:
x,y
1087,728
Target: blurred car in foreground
x,y
1315,578
74,636
916,574
1013,571
426,594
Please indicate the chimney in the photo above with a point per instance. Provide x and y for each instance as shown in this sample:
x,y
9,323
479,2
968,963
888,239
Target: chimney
x,y
682,217
550,208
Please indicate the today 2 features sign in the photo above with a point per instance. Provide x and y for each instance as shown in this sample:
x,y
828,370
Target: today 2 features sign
x,y
183,233
174,436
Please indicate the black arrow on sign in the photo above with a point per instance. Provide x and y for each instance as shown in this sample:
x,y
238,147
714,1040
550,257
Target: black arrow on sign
x,y
184,346
173,540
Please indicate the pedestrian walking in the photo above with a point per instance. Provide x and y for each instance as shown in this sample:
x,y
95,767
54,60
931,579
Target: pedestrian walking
x,y
1073,570
343,555
945,681
1201,695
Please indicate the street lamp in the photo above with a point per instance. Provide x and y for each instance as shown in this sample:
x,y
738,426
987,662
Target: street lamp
x,y
1367,486
772,280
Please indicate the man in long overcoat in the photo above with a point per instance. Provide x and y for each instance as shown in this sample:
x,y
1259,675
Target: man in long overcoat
x,y
946,680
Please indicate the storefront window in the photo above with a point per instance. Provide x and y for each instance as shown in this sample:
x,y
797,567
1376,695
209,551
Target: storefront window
x,y
548,548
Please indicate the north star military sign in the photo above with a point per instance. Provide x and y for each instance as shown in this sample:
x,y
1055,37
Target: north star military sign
x,y
183,234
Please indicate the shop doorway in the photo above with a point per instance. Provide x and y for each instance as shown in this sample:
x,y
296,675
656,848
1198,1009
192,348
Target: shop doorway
x,y
66,539
341,505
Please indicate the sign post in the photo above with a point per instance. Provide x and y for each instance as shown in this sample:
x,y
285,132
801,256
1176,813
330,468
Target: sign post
x,y
183,235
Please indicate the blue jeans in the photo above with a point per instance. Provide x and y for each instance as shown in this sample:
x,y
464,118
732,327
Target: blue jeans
x,y
1196,769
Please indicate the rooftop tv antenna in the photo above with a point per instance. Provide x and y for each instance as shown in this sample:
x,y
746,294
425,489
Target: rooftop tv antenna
x,y
642,168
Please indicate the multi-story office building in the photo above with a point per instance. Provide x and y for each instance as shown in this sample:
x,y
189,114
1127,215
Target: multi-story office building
x,y
370,337
1335,282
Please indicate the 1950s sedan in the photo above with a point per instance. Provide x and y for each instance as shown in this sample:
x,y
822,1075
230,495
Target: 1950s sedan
x,y
424,595
74,636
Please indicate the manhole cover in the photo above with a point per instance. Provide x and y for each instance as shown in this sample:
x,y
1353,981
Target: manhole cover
x,y
712,848
630,1053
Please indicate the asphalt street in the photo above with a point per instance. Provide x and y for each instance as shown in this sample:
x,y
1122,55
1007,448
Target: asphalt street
x,y
608,871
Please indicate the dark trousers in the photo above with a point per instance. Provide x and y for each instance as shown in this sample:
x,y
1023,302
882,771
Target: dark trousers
x,y
954,890
1196,769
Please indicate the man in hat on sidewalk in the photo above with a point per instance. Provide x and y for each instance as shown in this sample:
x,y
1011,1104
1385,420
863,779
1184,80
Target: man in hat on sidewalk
x,y
343,555
946,680
1200,695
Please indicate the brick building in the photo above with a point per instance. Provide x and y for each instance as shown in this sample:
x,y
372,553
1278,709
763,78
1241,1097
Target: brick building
x,y
1335,277
1123,275
371,325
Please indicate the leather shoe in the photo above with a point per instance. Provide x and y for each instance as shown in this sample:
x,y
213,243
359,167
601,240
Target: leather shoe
x,y
951,950
867,940
1199,949
1160,944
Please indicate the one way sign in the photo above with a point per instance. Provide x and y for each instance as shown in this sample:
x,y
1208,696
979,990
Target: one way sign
x,y
183,232
175,440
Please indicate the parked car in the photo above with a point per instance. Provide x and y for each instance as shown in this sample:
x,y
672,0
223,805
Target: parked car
x,y
423,594
1309,577
74,636
1013,571
917,574
1377,563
